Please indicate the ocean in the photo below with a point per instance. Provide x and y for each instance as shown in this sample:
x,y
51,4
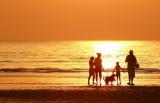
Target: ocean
x,y
75,54
40,65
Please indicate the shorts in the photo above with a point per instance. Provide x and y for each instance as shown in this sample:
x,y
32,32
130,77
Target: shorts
x,y
118,74
98,69
91,71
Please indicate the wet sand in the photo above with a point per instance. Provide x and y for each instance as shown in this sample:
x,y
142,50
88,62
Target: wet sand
x,y
72,87
83,94
21,81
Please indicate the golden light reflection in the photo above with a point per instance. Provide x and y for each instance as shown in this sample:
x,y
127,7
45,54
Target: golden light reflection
x,y
108,47
107,63
109,51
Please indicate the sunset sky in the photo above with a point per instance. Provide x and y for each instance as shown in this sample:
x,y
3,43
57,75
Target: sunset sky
x,y
42,20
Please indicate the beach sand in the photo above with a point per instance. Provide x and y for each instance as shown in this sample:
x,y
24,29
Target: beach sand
x,y
15,80
83,94
71,87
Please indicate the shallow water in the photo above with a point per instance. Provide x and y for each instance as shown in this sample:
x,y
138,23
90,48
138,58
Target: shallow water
x,y
50,80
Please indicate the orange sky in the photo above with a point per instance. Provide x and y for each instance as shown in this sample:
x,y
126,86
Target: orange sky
x,y
79,19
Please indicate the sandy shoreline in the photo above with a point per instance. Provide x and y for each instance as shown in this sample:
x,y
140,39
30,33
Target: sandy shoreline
x,y
20,81
72,88
83,94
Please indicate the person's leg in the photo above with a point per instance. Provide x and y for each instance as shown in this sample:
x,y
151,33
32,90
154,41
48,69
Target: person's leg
x,y
93,77
100,77
129,79
96,77
133,76
132,80
117,79
89,79
120,78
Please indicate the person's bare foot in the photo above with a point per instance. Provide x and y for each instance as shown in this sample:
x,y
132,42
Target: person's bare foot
x,y
128,83
94,83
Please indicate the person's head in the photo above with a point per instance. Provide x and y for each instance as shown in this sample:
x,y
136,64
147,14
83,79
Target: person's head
x,y
91,58
98,54
131,52
117,63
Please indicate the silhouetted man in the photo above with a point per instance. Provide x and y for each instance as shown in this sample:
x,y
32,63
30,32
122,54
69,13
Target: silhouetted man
x,y
132,61
98,68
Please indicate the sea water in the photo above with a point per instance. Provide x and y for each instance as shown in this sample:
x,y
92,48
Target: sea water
x,y
76,54
44,64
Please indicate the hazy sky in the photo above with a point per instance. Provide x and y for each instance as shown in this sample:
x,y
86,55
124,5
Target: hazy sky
x,y
79,19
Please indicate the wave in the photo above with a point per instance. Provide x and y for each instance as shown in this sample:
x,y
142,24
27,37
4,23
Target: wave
x,y
52,70
40,70
6,61
78,58
58,61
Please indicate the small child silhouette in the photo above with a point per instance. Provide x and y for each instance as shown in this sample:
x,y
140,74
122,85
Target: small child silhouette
x,y
118,69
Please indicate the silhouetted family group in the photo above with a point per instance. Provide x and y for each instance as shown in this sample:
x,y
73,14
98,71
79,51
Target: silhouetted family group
x,y
96,69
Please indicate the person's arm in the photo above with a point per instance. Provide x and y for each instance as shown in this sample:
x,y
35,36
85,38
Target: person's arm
x,y
102,69
101,65
126,59
122,69
135,59
94,63
114,69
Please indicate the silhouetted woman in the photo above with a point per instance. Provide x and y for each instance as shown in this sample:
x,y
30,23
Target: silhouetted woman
x,y
91,70
132,62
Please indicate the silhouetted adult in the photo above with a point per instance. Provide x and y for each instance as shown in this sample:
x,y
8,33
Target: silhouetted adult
x,y
132,61
98,67
91,70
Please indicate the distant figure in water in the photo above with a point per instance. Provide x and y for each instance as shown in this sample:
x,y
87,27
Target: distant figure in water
x,y
91,70
132,64
98,68
118,69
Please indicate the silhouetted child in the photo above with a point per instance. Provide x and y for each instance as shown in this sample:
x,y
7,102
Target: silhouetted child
x,y
118,69
91,70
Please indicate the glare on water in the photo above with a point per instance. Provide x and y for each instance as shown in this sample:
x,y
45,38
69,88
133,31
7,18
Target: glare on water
x,y
73,55
110,51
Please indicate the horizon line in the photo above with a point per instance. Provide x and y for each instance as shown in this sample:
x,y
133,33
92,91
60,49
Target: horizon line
x,y
77,40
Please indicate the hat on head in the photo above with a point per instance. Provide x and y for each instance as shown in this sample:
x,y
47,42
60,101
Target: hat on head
x,y
98,54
